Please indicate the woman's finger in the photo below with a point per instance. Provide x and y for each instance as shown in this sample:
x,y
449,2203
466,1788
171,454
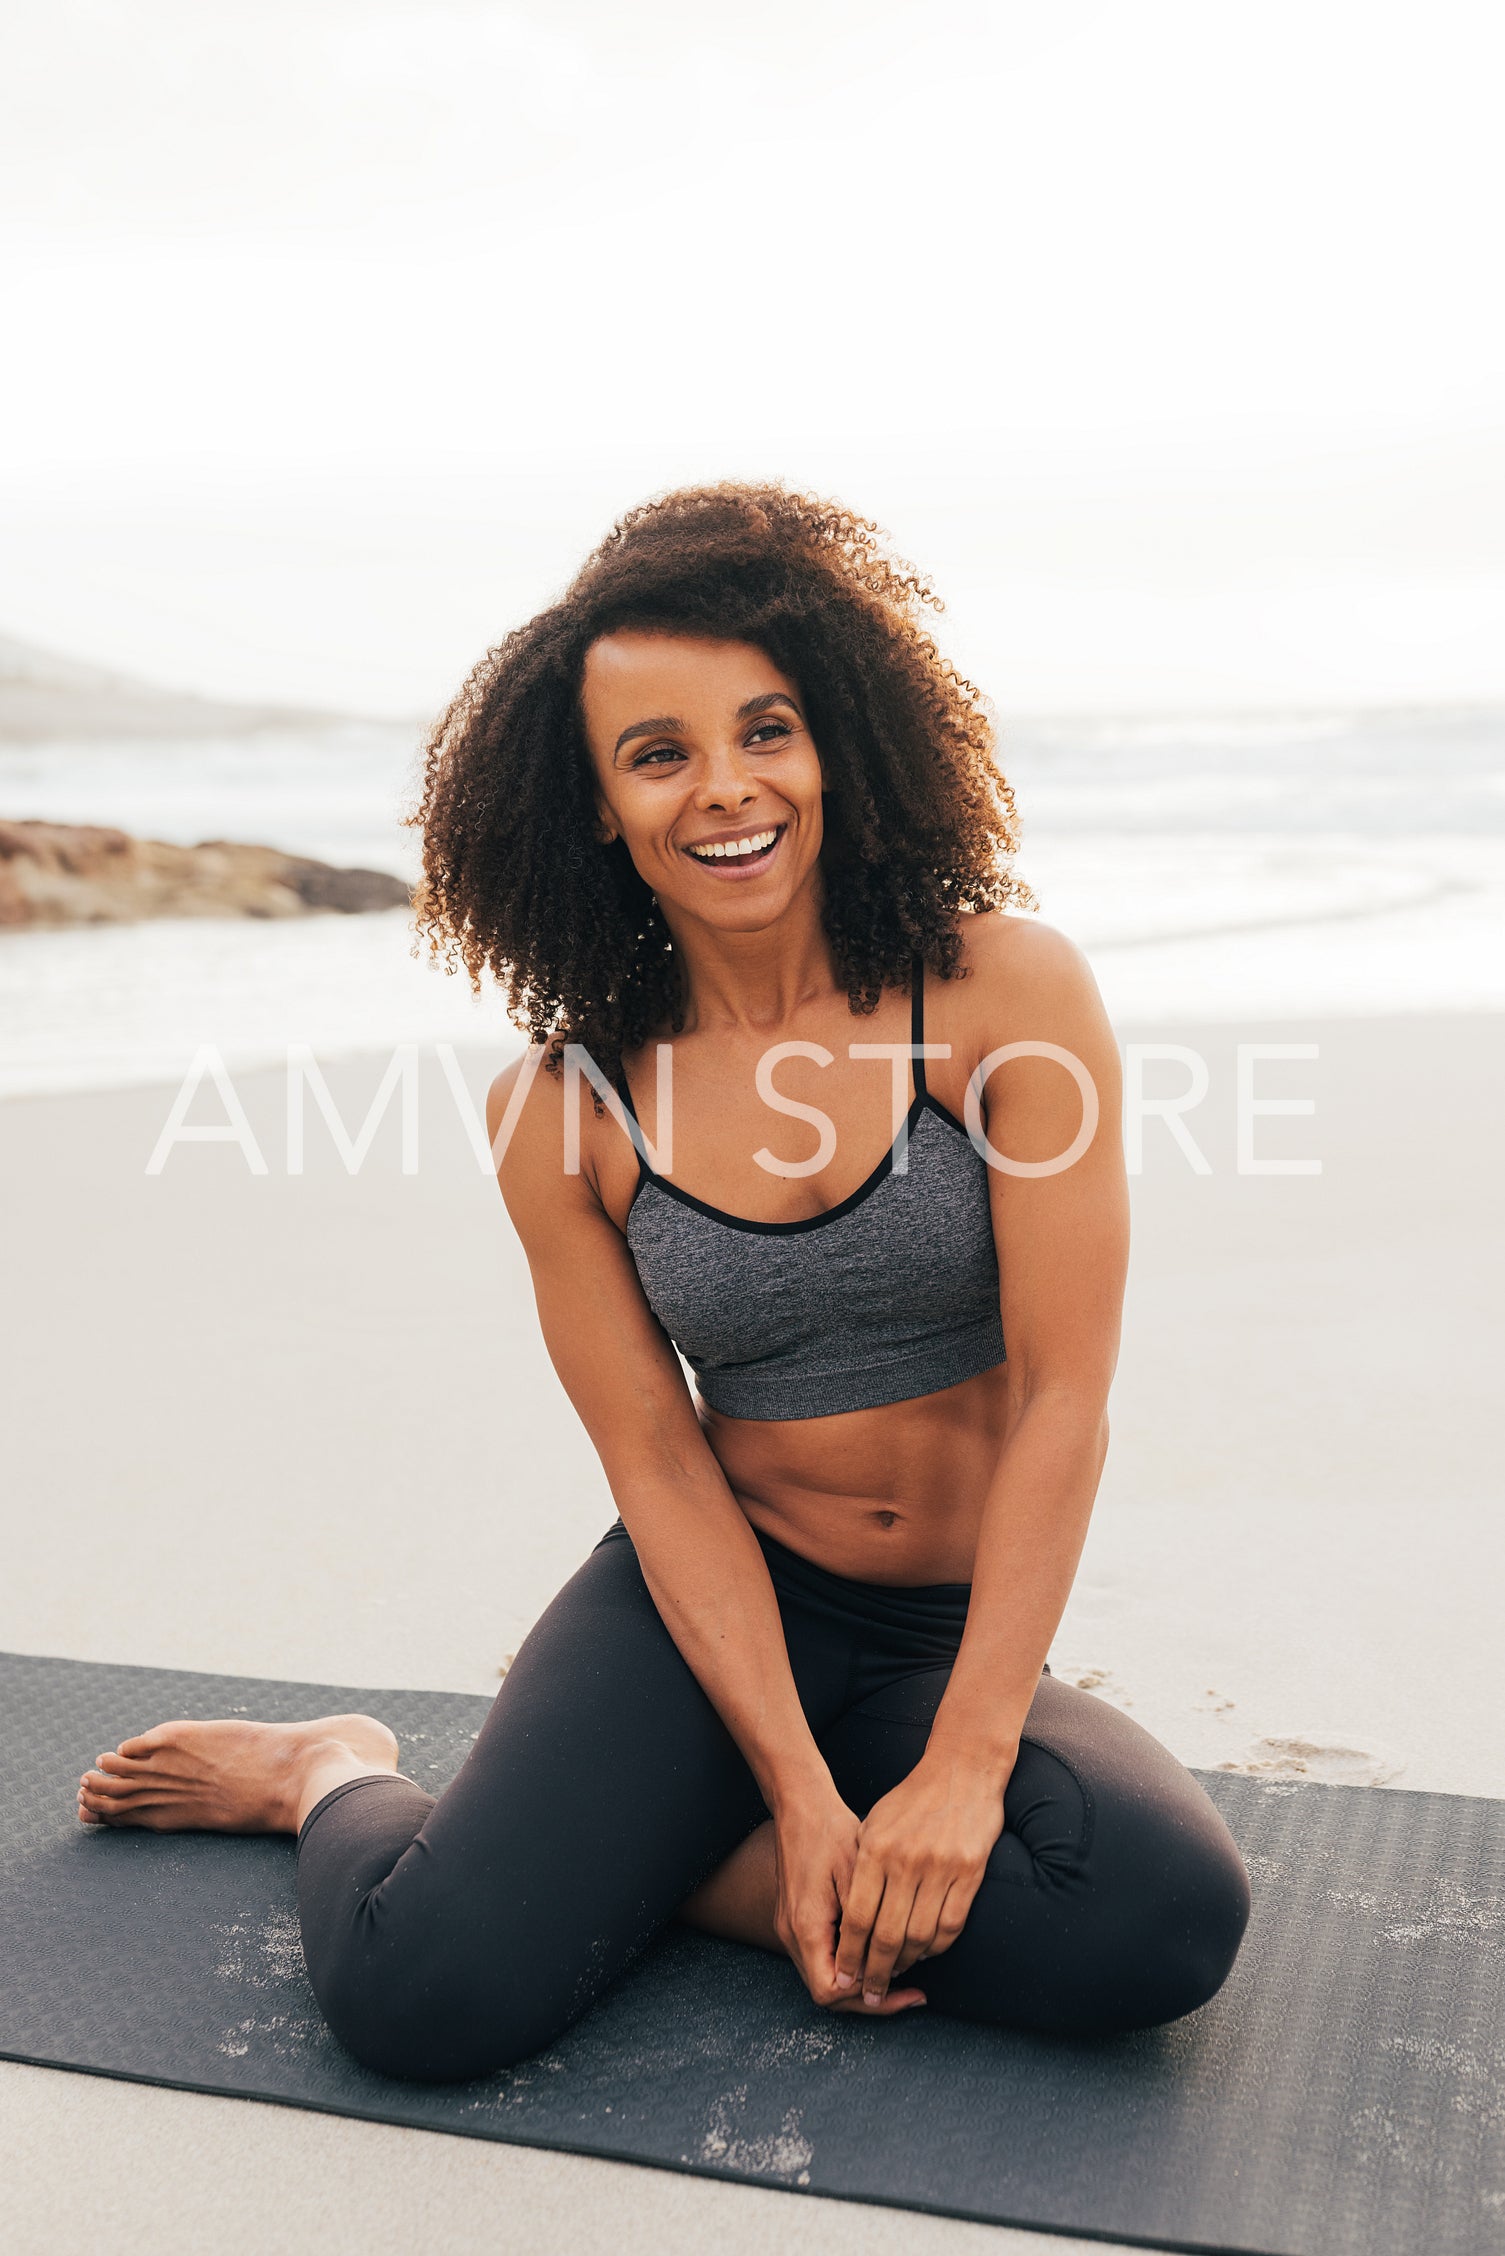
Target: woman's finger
x,y
815,1955
924,1917
952,1917
887,1940
858,1913
894,2001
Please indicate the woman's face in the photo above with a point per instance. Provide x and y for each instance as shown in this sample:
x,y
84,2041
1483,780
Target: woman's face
x,y
707,772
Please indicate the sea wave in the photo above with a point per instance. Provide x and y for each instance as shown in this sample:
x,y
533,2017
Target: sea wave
x,y
1310,866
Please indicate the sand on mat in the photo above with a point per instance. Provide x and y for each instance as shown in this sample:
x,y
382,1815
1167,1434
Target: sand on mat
x,y
302,1425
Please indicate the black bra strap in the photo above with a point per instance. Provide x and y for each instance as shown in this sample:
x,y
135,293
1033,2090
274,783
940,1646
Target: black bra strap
x,y
917,1024
619,1081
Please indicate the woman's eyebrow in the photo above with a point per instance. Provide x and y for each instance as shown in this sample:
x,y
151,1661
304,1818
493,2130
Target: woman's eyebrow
x,y
665,725
761,704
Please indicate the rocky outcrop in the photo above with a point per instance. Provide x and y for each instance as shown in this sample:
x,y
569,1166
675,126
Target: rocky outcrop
x,y
65,873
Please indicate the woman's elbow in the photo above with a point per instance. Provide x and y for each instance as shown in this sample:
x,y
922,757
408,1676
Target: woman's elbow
x,y
1081,1403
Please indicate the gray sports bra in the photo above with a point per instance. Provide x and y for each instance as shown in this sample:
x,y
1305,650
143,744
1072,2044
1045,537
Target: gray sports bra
x,y
892,1294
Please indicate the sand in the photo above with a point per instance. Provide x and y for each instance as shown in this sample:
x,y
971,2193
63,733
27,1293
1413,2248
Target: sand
x,y
303,1426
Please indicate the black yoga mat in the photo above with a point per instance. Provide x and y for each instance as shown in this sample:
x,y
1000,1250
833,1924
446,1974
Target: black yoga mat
x,y
1343,2095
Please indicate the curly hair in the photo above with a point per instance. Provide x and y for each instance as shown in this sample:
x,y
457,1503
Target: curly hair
x,y
919,820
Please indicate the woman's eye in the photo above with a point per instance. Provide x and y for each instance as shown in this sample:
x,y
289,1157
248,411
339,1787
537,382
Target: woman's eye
x,y
657,753
774,729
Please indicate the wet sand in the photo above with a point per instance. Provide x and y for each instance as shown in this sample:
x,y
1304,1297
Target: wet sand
x,y
303,1426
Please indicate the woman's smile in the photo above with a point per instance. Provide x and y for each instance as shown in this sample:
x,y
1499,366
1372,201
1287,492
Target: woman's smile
x,y
704,762
737,855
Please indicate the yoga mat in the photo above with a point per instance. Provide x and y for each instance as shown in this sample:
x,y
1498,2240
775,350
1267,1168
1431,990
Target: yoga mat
x,y
1343,2095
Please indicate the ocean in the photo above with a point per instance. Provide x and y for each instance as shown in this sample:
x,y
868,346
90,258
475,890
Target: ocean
x,y
1254,867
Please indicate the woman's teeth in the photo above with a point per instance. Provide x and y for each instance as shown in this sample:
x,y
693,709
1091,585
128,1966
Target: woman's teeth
x,y
735,849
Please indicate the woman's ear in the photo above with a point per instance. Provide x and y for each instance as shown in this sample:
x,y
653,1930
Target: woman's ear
x,y
606,829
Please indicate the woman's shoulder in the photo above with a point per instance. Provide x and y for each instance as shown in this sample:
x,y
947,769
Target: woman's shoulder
x,y
1019,979
525,1120
1011,962
1022,981
514,1086
548,1142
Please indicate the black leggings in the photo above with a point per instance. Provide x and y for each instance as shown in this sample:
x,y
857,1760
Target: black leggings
x,y
451,1938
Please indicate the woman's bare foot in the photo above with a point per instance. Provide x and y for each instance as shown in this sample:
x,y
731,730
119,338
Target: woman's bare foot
x,y
231,1777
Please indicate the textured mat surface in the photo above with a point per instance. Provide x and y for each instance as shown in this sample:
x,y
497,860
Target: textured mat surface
x,y
1344,2095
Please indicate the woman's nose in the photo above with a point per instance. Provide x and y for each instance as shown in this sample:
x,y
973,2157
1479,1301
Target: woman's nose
x,y
727,783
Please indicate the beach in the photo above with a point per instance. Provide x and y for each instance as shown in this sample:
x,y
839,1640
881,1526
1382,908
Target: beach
x,y
279,1418
1236,867
350,336
302,1425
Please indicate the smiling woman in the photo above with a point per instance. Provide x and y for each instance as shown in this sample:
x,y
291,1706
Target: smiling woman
x,y
760,765
726,801
724,804
917,822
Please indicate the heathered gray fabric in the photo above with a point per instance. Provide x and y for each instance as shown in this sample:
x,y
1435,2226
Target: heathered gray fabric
x,y
893,1294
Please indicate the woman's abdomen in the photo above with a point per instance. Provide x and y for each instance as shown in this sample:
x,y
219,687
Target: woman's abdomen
x,y
890,1495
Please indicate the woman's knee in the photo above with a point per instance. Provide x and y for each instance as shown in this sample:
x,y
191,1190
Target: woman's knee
x,y
1186,1928
429,2019
1169,1903
1116,1897
437,2041
1140,1862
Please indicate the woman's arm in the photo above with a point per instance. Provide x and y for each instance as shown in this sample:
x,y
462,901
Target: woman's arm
x,y
1062,1243
699,1556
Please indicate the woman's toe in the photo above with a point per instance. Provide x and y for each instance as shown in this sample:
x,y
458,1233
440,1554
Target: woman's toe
x,y
99,1783
146,1742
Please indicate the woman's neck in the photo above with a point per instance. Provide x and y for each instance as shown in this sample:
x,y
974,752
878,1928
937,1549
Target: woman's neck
x,y
753,981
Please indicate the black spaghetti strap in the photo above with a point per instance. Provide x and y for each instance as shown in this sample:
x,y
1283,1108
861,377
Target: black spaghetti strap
x,y
917,1025
619,1079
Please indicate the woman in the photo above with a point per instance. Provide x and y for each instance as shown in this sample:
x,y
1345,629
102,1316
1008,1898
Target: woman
x,y
730,831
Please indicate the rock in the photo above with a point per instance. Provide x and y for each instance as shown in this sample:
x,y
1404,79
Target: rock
x,y
349,892
67,873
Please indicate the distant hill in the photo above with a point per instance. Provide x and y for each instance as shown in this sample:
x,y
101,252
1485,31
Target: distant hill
x,y
44,697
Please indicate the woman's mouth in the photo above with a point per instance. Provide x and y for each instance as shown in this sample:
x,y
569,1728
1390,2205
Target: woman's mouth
x,y
740,856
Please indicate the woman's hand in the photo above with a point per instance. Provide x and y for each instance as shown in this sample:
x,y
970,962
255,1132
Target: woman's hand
x,y
921,1854
817,1849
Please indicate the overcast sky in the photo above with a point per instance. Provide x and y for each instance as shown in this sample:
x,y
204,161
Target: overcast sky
x,y
1168,336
